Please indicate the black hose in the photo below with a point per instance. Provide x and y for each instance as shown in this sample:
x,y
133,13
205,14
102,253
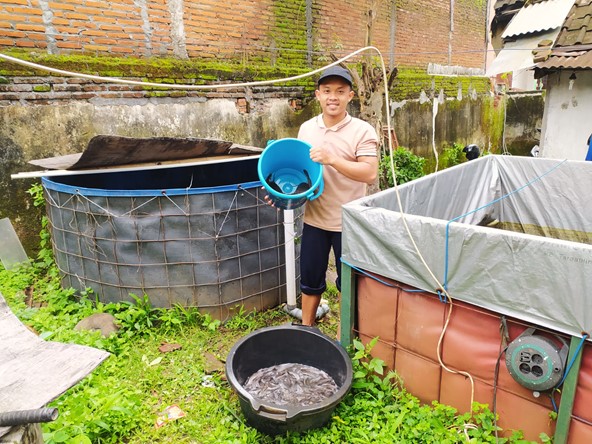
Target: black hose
x,y
21,417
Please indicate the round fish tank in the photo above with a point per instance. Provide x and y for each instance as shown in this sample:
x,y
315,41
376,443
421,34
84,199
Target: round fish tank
x,y
198,236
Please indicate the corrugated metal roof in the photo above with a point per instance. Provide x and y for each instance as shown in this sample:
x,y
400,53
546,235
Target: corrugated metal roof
x,y
583,61
573,48
538,17
501,4
504,4
518,55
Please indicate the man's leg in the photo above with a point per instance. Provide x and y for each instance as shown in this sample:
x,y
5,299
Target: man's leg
x,y
310,304
314,259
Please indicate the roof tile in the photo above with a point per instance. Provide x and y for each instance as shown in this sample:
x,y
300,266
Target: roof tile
x,y
577,29
575,38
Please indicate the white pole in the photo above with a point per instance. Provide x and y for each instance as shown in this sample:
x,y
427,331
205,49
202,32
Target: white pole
x,y
289,237
290,253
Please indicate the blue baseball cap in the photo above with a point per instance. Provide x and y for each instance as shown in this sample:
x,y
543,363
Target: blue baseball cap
x,y
336,71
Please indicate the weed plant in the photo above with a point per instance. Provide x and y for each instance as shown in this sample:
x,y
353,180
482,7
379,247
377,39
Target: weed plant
x,y
408,166
452,155
121,399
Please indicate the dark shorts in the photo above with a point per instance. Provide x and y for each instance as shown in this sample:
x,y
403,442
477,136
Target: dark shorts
x,y
314,259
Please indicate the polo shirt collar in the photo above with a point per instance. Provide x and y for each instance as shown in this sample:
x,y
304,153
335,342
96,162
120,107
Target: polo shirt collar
x,y
337,126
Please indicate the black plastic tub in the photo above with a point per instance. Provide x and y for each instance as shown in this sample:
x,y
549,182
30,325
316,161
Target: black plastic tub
x,y
287,344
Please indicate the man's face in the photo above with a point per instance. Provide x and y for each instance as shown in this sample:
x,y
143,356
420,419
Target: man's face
x,y
334,94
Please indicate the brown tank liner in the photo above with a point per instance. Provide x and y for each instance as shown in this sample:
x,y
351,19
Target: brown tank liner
x,y
409,323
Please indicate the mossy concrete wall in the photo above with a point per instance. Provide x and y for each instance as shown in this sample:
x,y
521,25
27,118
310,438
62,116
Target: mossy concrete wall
x,y
523,123
497,124
455,122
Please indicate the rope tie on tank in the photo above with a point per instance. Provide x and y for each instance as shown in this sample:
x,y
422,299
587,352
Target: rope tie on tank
x,y
137,208
227,213
185,213
80,195
55,204
256,196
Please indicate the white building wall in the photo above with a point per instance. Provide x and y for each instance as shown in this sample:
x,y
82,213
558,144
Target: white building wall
x,y
567,119
524,80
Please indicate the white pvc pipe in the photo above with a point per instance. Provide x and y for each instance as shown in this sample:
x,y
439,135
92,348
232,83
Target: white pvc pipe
x,y
290,253
135,167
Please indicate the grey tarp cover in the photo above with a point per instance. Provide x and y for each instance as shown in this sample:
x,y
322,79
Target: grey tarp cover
x,y
538,279
34,372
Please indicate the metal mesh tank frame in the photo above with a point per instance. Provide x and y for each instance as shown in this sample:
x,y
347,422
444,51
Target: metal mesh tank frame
x,y
214,248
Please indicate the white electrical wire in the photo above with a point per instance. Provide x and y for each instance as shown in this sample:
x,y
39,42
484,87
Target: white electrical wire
x,y
439,285
174,86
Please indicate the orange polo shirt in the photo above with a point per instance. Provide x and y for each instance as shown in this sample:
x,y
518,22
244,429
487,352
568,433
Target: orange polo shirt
x,y
349,139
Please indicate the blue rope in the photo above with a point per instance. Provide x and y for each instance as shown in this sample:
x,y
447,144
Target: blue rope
x,y
553,402
568,368
447,237
573,358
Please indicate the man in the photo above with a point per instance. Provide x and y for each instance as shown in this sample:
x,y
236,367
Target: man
x,y
347,147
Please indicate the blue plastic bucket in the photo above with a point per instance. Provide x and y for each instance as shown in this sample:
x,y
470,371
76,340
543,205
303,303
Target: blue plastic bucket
x,y
288,173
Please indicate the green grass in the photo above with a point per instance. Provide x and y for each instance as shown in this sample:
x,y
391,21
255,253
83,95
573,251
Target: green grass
x,y
122,398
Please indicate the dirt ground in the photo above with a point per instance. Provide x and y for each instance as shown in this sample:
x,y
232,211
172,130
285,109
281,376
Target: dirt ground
x,y
332,271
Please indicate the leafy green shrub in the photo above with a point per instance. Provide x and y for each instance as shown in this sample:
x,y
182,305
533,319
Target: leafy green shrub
x,y
98,409
408,166
452,155
45,254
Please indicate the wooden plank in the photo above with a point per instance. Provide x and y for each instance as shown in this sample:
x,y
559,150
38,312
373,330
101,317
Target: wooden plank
x,y
348,304
34,372
134,167
568,392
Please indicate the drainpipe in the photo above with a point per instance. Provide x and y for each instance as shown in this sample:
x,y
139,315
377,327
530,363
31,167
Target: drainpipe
x,y
290,253
309,41
393,35
487,37
289,235
451,32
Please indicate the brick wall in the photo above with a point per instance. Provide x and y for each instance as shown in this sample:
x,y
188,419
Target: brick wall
x,y
247,31
54,90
